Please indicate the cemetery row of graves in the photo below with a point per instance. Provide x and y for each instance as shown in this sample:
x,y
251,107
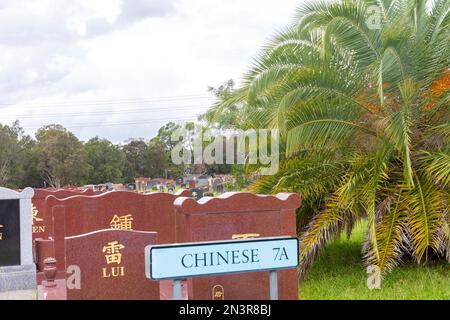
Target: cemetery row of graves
x,y
85,244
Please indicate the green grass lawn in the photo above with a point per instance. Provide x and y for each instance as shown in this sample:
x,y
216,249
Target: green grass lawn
x,y
339,274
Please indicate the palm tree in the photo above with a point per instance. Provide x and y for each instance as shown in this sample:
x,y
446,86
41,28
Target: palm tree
x,y
363,111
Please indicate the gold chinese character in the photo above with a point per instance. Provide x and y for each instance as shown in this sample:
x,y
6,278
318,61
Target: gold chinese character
x,y
1,234
122,222
35,215
112,251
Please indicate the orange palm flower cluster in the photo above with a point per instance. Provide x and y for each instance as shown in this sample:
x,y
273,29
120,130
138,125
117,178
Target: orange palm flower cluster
x,y
440,86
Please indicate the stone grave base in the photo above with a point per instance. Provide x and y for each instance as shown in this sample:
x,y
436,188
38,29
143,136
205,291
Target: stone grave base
x,y
18,295
53,293
15,278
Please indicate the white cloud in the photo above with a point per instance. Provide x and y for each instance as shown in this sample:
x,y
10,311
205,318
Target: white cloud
x,y
54,51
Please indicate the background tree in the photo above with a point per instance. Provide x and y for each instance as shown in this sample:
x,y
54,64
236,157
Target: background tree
x,y
228,111
135,154
60,156
156,160
164,139
14,155
106,161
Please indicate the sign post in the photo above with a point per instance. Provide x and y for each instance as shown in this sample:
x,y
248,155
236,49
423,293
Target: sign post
x,y
273,283
177,290
187,260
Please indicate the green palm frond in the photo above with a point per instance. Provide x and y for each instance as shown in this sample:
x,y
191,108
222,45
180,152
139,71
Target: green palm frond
x,y
323,227
309,176
322,133
376,175
389,233
399,129
424,218
437,166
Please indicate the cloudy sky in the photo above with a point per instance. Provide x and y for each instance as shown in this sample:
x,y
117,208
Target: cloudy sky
x,y
120,69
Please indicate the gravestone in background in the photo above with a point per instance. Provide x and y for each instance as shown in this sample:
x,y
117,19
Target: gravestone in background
x,y
196,193
42,225
220,188
217,182
17,270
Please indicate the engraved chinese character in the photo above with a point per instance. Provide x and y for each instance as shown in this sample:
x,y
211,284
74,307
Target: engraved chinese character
x,y
112,251
35,215
1,234
122,222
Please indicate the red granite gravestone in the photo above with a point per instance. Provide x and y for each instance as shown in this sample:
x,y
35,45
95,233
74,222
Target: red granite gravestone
x,y
238,216
122,210
41,219
106,265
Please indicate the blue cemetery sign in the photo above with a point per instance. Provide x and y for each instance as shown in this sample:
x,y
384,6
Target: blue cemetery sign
x,y
187,260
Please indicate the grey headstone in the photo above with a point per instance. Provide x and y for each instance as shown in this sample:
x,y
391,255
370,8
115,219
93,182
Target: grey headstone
x,y
217,182
17,269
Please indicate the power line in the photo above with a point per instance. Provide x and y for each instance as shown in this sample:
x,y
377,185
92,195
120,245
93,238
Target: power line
x,y
129,99
142,122
108,102
108,112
